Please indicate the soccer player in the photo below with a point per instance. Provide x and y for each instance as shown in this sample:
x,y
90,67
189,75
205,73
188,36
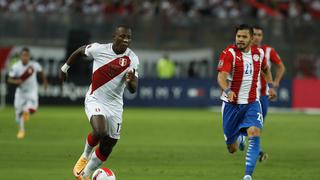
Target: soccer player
x,y
114,68
239,68
23,74
272,57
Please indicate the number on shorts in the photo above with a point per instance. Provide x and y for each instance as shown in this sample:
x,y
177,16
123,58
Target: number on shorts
x,y
118,127
260,118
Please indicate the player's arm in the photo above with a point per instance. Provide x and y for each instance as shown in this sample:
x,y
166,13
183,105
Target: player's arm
x,y
44,79
131,81
70,61
280,68
224,85
279,73
268,77
14,81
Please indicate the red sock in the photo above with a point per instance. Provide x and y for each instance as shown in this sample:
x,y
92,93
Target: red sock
x,y
92,141
100,156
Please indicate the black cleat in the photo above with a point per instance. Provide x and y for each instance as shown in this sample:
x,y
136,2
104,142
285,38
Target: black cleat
x,y
263,156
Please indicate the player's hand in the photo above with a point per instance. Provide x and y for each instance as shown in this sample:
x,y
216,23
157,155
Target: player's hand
x,y
130,75
231,96
272,94
275,84
63,76
18,82
45,85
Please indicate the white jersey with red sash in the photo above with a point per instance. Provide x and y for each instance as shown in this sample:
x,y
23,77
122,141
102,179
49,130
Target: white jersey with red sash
x,y
28,74
244,70
108,74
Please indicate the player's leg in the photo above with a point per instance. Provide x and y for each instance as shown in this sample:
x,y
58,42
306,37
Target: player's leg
x,y
92,110
253,120
19,101
264,101
230,116
99,125
30,106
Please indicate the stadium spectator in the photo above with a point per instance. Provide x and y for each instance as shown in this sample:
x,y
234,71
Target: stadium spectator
x,y
23,74
166,68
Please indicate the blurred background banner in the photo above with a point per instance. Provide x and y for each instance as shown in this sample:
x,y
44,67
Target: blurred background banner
x,y
306,93
187,37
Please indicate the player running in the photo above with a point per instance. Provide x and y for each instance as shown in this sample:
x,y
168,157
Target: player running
x,y
239,68
23,74
114,68
272,57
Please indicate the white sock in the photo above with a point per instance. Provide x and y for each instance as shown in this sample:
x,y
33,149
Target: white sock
x,y
92,165
87,150
21,124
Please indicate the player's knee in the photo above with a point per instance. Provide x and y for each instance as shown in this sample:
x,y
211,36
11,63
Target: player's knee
x,y
99,133
253,131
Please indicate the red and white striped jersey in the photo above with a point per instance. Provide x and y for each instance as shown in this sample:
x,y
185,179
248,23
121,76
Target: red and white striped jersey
x,y
244,71
271,57
28,74
108,74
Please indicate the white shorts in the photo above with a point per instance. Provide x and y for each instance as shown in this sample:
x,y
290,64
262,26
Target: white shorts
x,y
26,102
113,119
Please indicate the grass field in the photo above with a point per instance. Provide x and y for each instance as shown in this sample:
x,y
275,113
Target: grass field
x,y
158,144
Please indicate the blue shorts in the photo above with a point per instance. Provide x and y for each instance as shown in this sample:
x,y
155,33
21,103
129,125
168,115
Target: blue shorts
x,y
264,100
238,117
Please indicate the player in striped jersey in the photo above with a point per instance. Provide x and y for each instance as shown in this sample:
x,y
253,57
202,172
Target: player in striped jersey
x,y
272,57
239,68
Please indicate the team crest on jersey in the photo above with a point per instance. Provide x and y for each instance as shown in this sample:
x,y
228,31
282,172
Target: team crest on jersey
x,y
256,57
123,62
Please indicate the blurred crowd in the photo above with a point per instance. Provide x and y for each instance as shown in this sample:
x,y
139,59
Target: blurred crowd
x,y
307,9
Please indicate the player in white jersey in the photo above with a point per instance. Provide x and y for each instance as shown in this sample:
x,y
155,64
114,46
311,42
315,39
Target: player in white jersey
x,y
114,68
23,74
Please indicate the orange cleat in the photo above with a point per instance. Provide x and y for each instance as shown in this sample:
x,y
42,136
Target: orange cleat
x,y
79,166
21,134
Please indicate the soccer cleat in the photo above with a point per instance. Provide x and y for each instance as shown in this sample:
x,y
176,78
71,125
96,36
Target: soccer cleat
x,y
83,178
79,166
21,134
242,143
25,116
247,177
263,156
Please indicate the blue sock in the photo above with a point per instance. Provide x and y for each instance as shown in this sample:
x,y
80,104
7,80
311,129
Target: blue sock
x,y
252,154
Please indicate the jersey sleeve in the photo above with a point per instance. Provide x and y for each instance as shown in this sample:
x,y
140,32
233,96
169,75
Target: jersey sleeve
x,y
37,67
135,65
13,72
91,50
274,56
225,61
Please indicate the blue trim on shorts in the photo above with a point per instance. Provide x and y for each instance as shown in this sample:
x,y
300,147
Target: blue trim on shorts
x,y
264,100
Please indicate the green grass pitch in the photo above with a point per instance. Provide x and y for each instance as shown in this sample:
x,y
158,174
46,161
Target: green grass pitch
x,y
158,144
